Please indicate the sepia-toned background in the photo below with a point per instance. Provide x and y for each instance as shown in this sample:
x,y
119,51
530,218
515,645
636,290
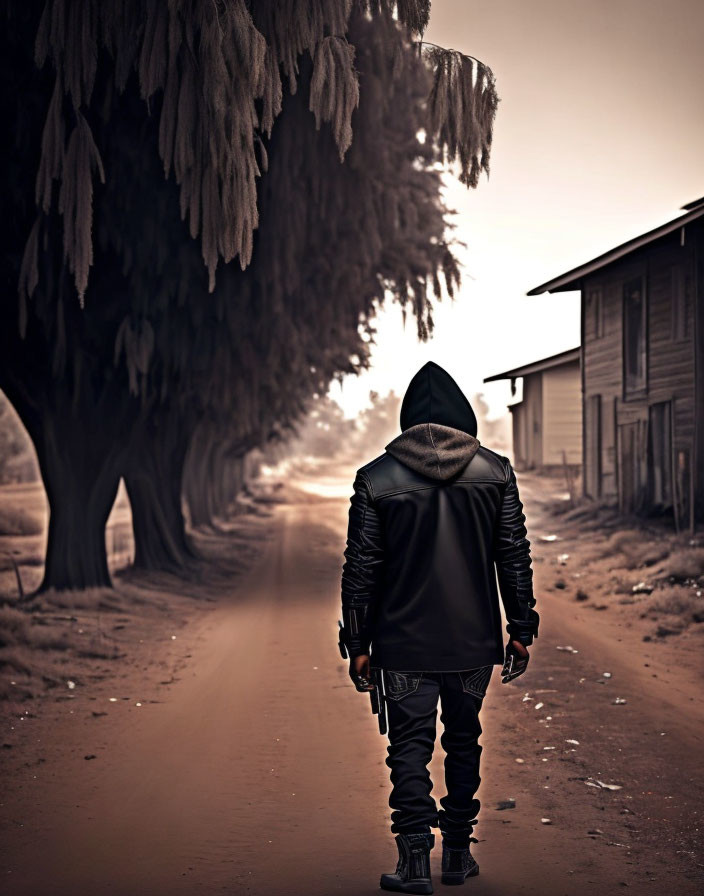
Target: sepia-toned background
x,y
185,398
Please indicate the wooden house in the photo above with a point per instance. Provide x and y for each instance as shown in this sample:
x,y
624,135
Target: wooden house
x,y
642,352
547,421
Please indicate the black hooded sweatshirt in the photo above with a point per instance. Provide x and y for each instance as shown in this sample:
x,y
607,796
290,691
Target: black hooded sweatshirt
x,y
432,522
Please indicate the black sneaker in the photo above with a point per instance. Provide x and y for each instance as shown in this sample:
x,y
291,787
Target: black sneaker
x,y
458,864
412,873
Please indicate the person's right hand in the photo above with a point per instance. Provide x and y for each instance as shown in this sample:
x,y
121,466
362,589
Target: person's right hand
x,y
360,674
516,661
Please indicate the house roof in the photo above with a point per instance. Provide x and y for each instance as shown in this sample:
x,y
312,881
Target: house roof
x,y
572,279
695,204
572,354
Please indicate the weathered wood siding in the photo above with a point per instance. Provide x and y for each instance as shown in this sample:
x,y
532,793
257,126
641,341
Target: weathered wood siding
x,y
669,276
602,359
519,435
533,410
562,414
671,355
549,418
698,341
528,424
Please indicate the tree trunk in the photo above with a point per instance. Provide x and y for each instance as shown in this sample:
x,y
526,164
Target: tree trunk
x,y
233,479
153,477
216,480
198,478
80,468
214,475
80,436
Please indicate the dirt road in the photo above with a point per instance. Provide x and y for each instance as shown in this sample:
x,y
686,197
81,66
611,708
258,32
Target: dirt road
x,y
261,770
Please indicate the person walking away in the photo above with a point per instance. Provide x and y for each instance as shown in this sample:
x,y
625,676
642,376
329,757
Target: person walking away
x,y
433,522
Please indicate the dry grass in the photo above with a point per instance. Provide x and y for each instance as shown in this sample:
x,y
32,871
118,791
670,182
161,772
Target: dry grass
x,y
18,521
28,673
13,626
637,549
58,635
674,608
597,550
673,626
615,554
20,629
674,601
92,599
39,650
685,563
43,633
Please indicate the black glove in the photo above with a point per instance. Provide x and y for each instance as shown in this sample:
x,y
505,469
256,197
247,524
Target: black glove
x,y
515,663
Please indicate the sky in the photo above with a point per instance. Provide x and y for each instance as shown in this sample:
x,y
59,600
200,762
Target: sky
x,y
599,137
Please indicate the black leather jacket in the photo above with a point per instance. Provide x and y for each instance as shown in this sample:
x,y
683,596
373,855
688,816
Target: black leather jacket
x,y
432,522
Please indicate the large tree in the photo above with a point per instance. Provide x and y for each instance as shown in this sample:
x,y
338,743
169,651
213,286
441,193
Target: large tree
x,y
177,322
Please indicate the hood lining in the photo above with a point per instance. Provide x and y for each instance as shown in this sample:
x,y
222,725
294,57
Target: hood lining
x,y
434,450
432,442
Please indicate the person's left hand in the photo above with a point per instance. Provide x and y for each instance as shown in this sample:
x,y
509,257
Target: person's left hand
x,y
359,673
515,662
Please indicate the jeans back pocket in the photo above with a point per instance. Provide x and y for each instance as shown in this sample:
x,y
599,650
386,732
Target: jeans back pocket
x,y
398,685
476,681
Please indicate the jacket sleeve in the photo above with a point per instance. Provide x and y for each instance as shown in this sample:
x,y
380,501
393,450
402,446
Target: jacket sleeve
x,y
513,565
362,569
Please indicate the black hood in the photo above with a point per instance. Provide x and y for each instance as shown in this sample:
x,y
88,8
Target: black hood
x,y
438,423
434,397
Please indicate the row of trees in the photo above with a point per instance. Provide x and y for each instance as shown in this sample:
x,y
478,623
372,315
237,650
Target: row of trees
x,y
191,250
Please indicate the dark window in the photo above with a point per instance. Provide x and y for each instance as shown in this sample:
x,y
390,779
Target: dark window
x,y
679,303
593,444
634,338
683,484
632,453
594,314
660,455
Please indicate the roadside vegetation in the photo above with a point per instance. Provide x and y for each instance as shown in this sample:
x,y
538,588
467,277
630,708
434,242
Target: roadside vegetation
x,y
604,560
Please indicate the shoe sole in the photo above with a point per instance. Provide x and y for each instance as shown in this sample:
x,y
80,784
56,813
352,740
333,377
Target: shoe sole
x,y
456,879
409,886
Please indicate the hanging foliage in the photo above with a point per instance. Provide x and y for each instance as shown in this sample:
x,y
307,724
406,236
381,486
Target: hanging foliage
x,y
217,70
334,89
211,64
367,231
463,98
76,198
414,14
463,104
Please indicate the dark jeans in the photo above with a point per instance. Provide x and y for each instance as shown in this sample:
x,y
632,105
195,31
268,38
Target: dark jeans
x,y
412,700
